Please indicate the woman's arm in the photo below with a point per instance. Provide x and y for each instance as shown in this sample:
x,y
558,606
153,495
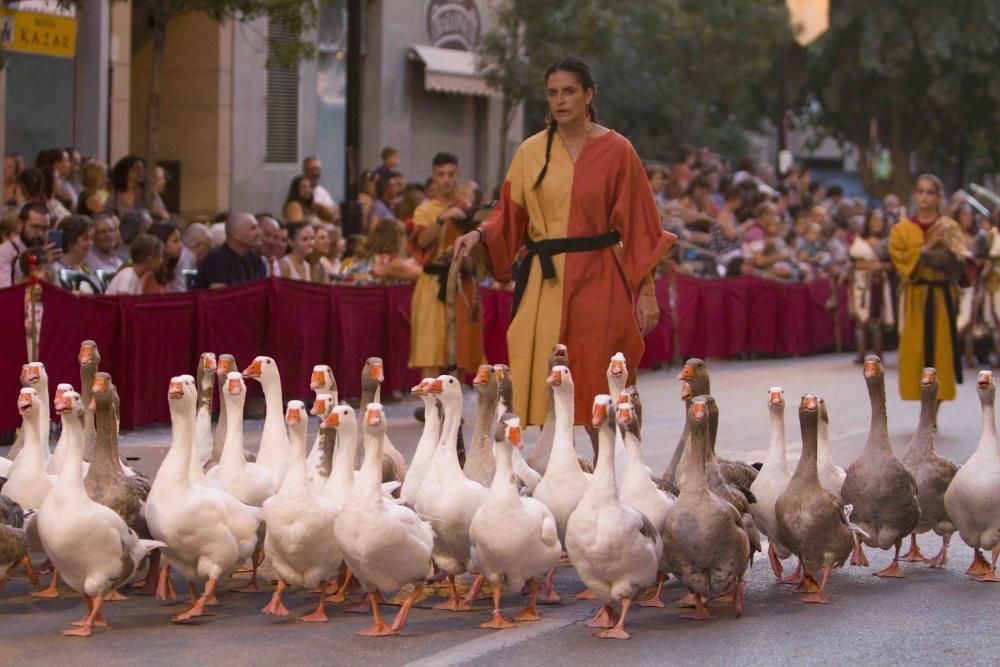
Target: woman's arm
x,y
396,267
294,212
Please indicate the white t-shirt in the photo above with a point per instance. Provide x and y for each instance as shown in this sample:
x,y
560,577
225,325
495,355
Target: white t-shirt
x,y
125,281
322,196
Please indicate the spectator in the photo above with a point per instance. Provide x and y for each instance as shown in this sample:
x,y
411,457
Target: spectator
x,y
160,211
299,202
354,251
126,187
30,186
390,162
94,178
146,255
60,197
682,174
870,305
234,261
890,204
13,163
657,177
383,260
102,255
197,242
43,264
134,223
166,277
8,224
366,196
726,231
32,230
77,242
323,205
319,259
412,198
301,240
274,239
336,250
385,192
768,254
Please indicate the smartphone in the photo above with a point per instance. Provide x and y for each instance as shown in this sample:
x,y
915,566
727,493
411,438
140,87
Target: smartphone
x,y
56,238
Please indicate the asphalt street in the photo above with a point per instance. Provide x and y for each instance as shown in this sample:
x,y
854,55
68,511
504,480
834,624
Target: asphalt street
x,y
930,617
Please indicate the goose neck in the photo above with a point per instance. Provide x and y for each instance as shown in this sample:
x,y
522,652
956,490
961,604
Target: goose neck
x,y
106,445
344,453
878,433
988,441
562,436
807,470
604,472
71,475
923,439
232,448
503,475
295,478
776,454
370,475
177,462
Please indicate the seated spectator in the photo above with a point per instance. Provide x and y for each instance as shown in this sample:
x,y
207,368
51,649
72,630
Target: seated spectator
x,y
234,261
94,179
809,251
323,205
167,277
385,193
274,242
43,264
133,224
301,240
354,249
319,259
102,254
160,211
77,241
383,259
769,255
197,242
33,227
726,231
60,198
366,196
146,254
127,178
336,251
299,201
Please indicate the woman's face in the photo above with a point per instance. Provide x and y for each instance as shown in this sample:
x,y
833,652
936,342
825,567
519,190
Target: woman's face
x,y
322,241
9,169
926,195
656,182
876,223
172,248
136,173
305,189
81,247
966,219
304,242
161,180
566,97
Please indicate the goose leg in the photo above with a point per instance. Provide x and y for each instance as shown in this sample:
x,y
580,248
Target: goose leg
x,y
979,565
893,569
29,571
942,556
991,573
776,566
913,555
477,585
585,594
86,629
858,556
498,622
363,607
795,578
115,596
165,587
549,596
255,560
738,597
689,601
53,589
454,603
656,600
341,593
618,631
699,613
378,628
199,606
404,611
99,621
149,585
818,596
318,616
530,613
606,618
275,606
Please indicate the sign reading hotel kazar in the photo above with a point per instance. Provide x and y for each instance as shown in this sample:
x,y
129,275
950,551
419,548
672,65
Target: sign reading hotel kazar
x,y
453,24
32,32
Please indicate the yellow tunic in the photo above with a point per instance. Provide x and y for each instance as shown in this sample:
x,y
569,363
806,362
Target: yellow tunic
x,y
905,243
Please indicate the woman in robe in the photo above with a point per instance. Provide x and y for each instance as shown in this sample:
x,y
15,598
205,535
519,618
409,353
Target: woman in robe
x,y
871,305
576,209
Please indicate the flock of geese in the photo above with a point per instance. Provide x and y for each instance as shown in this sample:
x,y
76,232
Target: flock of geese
x,y
350,512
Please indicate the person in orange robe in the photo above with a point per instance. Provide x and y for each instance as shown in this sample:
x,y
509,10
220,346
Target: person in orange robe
x,y
577,211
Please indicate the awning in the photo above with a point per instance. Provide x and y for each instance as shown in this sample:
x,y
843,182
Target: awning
x,y
450,71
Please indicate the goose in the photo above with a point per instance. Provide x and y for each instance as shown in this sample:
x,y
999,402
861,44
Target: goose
x,y
429,437
386,545
638,489
617,375
105,481
318,460
538,459
89,359
771,482
372,376
300,540
205,378
933,474
13,541
831,475
480,462
810,520
514,539
705,542
564,481
694,382
447,498
208,532
972,500
614,547
324,386
225,365
250,483
28,483
91,546
342,474
59,454
526,476
878,485
274,445
33,375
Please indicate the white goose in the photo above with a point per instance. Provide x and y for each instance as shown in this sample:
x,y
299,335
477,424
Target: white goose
x,y
209,532
33,375
614,547
205,379
323,384
300,540
342,474
274,445
429,437
318,460
386,545
59,454
831,475
28,482
638,490
248,482
93,549
617,380
564,482
513,539
447,498
771,482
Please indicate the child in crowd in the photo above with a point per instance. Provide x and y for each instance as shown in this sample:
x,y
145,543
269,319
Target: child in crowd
x,y
146,254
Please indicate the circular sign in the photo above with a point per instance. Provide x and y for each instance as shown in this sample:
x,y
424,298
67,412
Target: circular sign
x,y
453,24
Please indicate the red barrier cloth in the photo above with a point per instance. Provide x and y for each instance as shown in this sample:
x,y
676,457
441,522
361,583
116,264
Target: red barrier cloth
x,y
14,353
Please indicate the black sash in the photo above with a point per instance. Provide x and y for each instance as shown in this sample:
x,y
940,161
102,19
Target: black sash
x,y
547,248
933,286
441,271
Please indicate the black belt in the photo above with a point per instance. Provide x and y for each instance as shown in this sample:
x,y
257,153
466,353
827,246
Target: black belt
x,y
929,322
441,271
547,248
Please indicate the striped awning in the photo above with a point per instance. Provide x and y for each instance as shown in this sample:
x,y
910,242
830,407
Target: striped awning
x,y
450,71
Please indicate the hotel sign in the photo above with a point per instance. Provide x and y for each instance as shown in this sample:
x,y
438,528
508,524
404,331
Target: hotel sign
x,y
32,32
453,24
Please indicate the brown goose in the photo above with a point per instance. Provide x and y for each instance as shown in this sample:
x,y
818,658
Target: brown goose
x,y
106,483
538,459
527,477
480,463
694,382
881,489
90,360
393,463
13,542
704,541
932,472
810,520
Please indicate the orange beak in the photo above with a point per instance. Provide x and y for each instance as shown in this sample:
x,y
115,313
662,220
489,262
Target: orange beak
x,y
377,373
927,377
253,370
176,390
599,415
100,385
687,373
514,435
871,369
317,380
86,354
617,367
62,404
686,391
225,367
775,398
624,414
437,387
809,402
482,376
419,389
700,411
233,387
319,407
23,402
555,379
622,398
208,361
985,379
332,420
31,374
294,418
373,417
499,373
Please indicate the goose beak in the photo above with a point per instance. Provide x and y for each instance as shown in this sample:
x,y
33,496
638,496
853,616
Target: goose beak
x,y
377,373
62,405
624,413
100,385
809,403
253,370
985,380
871,368
175,392
499,373
776,396
555,379
233,387
927,377
514,435
23,402
482,376
31,375
699,411
293,417
332,420
317,380
224,368
208,361
686,391
687,373
319,407
437,387
373,417
86,355
420,389
622,399
617,366
600,415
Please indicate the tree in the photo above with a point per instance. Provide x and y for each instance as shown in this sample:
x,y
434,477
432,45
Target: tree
x,y
914,78
297,16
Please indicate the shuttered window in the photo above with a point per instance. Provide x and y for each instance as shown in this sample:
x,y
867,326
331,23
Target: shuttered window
x,y
282,102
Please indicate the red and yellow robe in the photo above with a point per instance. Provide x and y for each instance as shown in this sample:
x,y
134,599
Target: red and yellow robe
x,y
589,305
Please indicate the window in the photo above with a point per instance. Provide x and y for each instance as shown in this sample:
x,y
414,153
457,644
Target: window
x,y
282,102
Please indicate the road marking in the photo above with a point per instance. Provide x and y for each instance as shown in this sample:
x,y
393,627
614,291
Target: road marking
x,y
504,639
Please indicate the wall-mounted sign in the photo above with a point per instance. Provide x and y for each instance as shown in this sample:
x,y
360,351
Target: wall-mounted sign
x,y
453,24
30,32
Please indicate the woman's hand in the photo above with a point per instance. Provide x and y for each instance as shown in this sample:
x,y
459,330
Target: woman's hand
x,y
465,243
647,313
